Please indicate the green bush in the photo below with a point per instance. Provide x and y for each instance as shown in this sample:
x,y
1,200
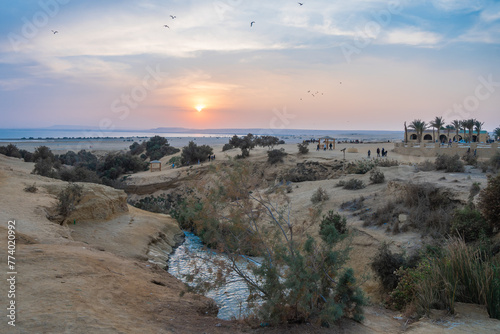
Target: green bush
x,y
320,195
78,174
489,202
157,147
385,264
194,153
333,225
450,164
10,151
469,224
303,147
275,156
227,147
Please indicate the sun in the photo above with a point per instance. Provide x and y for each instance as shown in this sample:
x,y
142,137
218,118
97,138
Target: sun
x,y
199,107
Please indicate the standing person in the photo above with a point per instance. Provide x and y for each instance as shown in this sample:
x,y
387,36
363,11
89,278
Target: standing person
x,y
383,152
369,153
317,148
378,152
331,146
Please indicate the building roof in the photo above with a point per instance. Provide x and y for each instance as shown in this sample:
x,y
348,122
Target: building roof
x,y
155,162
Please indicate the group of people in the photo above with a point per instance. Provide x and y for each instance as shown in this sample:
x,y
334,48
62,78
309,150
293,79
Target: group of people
x,y
380,153
324,147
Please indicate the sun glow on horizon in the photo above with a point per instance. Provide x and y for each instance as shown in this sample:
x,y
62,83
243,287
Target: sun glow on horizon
x,y
199,107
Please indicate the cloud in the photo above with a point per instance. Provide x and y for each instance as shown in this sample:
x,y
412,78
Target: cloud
x,y
411,36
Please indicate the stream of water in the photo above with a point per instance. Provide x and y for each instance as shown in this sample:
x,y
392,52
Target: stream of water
x,y
231,297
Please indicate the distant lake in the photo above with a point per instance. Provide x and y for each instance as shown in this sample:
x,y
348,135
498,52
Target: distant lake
x,y
293,135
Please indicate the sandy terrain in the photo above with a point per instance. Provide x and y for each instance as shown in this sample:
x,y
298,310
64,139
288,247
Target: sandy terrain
x,y
93,275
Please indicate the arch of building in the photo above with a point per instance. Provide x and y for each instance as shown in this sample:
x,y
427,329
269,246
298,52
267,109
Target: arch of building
x,y
413,137
443,138
428,137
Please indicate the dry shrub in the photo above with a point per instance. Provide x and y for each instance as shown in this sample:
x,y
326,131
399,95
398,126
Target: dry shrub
x,y
489,202
31,189
450,164
354,184
426,166
353,205
320,195
387,162
376,176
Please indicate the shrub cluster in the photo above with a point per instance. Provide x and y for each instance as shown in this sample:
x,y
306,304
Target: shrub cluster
x,y
303,147
469,224
354,184
155,148
489,202
376,176
275,156
194,153
320,195
68,198
450,164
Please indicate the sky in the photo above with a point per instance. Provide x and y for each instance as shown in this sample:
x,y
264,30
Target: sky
x,y
325,64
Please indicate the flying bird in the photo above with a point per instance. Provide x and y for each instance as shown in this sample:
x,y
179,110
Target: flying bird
x,y
54,31
251,23
300,3
166,26
173,16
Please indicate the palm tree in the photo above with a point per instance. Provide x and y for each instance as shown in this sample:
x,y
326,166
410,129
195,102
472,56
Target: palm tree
x,y
406,134
478,125
437,123
457,125
468,124
419,126
449,128
496,133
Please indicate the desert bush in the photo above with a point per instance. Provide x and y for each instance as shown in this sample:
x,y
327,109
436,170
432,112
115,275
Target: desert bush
x,y
68,198
353,205
78,174
450,164
227,147
157,147
245,144
115,164
31,189
489,202
469,224
26,155
475,188
426,166
360,167
470,159
175,160
160,204
194,153
386,162
303,147
341,183
136,148
354,184
275,156
10,151
494,162
320,195
376,176
333,226
269,141
45,162
385,264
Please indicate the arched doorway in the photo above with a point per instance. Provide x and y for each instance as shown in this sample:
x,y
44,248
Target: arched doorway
x,y
474,138
428,137
443,139
457,138
413,137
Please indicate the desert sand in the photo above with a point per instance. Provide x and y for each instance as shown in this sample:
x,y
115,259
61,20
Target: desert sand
x,y
101,271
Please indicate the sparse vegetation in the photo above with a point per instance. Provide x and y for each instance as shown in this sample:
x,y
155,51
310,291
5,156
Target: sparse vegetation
x,y
489,202
354,184
426,166
31,189
376,176
469,224
450,164
303,147
275,156
320,195
68,198
470,159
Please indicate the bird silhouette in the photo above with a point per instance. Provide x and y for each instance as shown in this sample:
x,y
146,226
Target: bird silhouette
x,y
251,23
54,31
300,3
173,16
166,26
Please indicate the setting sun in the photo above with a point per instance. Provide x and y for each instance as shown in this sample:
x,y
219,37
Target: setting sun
x,y
200,107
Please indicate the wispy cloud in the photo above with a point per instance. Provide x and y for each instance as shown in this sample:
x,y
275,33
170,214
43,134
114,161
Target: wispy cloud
x,y
411,36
